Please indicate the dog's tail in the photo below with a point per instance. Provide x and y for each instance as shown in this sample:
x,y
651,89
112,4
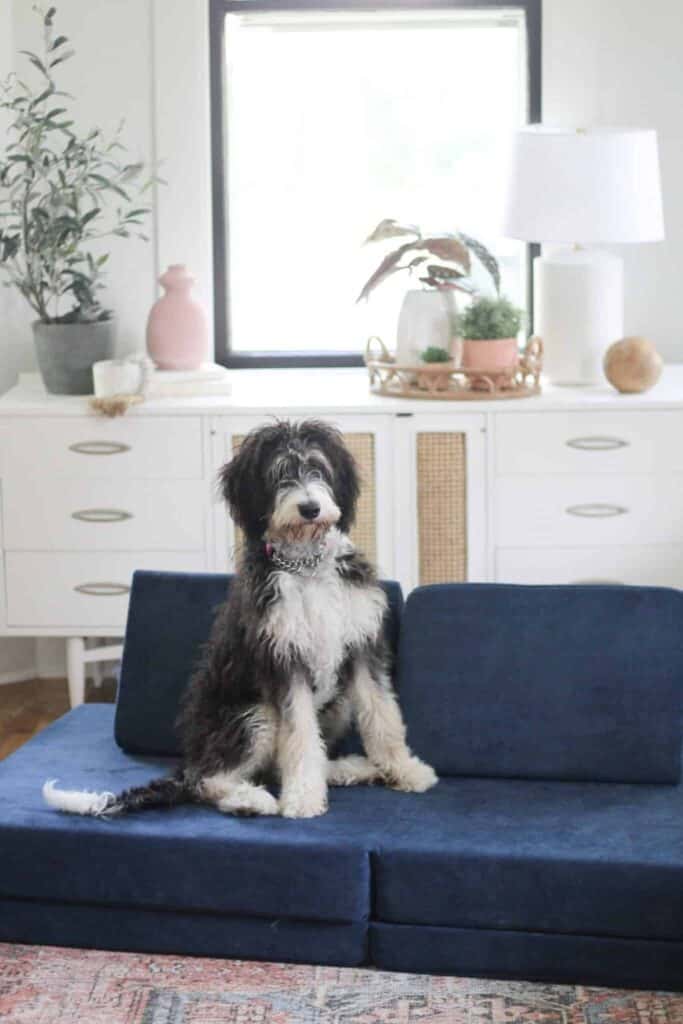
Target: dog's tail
x,y
165,792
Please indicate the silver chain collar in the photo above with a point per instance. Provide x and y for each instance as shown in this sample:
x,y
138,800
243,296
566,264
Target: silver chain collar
x,y
306,565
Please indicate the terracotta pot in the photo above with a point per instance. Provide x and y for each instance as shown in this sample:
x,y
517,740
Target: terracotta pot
x,y
435,376
490,355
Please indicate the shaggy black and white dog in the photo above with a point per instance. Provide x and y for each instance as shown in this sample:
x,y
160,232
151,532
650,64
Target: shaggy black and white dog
x,y
297,653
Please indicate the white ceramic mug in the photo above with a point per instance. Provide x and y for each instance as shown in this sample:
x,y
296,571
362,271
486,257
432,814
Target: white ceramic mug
x,y
128,376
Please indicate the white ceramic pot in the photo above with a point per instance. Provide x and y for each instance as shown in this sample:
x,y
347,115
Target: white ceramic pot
x,y
426,318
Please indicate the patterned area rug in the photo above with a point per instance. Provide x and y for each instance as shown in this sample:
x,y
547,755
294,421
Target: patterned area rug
x,y
43,985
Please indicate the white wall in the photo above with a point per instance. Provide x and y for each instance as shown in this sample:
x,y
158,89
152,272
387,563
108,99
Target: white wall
x,y
146,62
109,79
16,656
13,354
619,62
612,61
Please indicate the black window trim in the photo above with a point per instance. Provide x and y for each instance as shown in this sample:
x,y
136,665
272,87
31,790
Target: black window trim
x,y
217,11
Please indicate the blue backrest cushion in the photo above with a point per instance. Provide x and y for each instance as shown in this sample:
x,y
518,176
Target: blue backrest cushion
x,y
554,682
169,620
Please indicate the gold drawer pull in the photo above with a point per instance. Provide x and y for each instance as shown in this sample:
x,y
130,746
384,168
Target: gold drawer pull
x,y
596,444
99,447
101,515
596,510
103,589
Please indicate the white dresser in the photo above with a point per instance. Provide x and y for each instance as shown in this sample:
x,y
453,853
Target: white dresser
x,y
573,485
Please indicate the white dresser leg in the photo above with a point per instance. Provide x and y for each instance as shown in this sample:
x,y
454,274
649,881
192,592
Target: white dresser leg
x,y
75,666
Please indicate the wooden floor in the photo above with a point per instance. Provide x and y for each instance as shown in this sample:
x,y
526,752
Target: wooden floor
x,y
26,708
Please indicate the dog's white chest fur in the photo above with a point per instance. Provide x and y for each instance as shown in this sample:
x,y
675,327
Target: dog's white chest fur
x,y
317,618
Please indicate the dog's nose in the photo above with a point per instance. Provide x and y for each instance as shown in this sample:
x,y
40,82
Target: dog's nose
x,y
309,509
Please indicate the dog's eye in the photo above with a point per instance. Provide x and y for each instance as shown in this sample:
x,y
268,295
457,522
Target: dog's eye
x,y
315,475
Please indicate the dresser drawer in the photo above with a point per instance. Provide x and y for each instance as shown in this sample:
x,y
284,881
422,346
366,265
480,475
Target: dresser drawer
x,y
134,447
589,442
588,511
638,564
45,513
82,591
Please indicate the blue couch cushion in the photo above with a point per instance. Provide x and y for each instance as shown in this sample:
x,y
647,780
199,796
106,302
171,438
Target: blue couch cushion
x,y
570,682
570,858
565,857
188,859
534,956
163,931
169,620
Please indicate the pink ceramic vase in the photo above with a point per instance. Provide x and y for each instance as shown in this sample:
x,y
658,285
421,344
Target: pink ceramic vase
x,y
178,327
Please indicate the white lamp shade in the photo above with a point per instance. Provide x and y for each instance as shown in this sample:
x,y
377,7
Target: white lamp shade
x,y
595,186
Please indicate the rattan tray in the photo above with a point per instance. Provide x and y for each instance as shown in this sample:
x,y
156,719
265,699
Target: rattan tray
x,y
446,382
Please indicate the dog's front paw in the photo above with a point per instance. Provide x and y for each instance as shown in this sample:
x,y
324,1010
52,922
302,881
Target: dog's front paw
x,y
247,801
411,775
303,802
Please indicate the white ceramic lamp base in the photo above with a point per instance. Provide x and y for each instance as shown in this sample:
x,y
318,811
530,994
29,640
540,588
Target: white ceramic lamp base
x,y
578,311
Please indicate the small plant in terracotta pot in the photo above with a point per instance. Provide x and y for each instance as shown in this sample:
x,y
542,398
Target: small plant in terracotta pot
x,y
434,354
489,329
438,364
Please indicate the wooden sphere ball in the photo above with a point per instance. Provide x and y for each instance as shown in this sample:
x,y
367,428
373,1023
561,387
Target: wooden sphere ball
x,y
632,365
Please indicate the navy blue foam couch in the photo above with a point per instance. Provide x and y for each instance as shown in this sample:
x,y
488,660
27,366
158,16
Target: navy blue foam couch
x,y
552,847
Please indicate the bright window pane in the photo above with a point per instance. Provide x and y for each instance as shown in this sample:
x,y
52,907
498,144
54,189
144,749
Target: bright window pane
x,y
334,122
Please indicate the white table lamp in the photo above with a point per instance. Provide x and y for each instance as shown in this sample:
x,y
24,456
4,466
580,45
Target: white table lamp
x,y
582,187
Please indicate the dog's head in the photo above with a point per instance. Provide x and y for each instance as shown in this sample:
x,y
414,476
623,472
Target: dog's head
x,y
291,481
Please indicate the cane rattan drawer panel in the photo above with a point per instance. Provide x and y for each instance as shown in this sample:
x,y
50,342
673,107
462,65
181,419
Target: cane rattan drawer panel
x,y
153,447
84,590
656,565
364,530
72,514
588,511
442,507
589,442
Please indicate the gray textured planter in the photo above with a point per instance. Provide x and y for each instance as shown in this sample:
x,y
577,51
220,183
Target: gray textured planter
x,y
66,353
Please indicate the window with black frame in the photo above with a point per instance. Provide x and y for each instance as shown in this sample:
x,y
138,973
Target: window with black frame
x,y
327,120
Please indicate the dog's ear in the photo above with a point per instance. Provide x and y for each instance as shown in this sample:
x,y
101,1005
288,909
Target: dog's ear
x,y
242,486
344,467
347,487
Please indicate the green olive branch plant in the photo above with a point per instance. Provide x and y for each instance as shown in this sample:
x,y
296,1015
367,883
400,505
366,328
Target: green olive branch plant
x,y
61,191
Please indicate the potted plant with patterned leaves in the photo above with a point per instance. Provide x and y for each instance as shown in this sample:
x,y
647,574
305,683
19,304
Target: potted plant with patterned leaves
x,y
442,264
61,193
489,328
